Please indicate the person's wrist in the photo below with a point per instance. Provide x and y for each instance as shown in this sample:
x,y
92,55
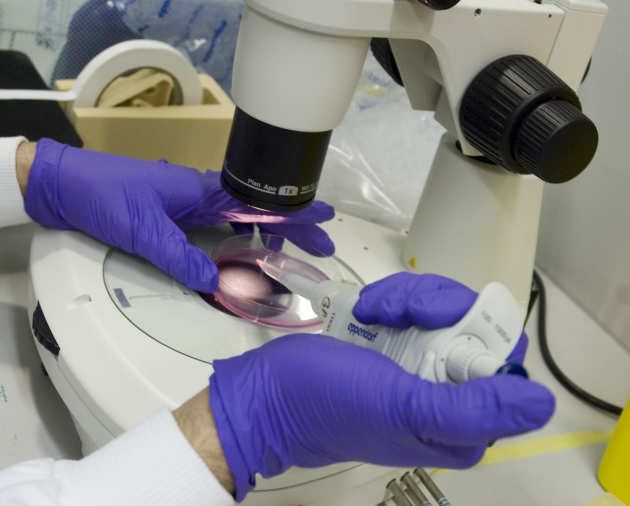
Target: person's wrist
x,y
239,449
196,421
24,157
44,191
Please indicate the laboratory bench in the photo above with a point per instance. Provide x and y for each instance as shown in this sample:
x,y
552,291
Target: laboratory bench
x,y
553,466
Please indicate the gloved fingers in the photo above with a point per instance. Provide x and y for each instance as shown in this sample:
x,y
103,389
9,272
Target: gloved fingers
x,y
449,456
272,236
420,452
242,228
518,353
318,212
310,238
406,299
270,239
166,246
479,411
235,211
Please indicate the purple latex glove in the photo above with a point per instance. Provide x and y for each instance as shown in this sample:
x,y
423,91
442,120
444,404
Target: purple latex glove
x,y
307,400
143,208
427,300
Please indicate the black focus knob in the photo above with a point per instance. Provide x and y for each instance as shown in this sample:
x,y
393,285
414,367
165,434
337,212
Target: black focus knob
x,y
555,141
439,5
522,116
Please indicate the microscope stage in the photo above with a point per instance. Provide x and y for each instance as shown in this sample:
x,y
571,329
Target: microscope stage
x,y
132,340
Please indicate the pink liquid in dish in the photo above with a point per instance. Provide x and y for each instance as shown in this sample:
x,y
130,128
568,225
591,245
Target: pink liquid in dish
x,y
247,291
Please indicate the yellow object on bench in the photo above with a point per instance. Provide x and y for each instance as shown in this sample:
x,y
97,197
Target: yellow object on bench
x,y
614,469
605,500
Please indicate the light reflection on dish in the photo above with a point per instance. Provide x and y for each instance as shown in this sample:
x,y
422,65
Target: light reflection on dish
x,y
248,292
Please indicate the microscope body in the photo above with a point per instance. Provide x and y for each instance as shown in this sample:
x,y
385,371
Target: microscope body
x,y
296,68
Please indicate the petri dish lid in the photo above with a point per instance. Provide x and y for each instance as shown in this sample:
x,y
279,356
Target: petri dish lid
x,y
247,291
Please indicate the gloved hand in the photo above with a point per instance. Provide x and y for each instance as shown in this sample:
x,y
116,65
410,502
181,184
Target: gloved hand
x,y
143,207
427,300
312,400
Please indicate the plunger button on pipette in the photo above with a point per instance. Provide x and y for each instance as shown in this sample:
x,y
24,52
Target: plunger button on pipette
x,y
514,369
470,360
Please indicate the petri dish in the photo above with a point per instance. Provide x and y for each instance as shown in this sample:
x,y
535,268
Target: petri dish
x,y
245,290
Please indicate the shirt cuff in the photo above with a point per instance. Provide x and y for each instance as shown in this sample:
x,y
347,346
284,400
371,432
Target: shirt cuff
x,y
151,465
11,200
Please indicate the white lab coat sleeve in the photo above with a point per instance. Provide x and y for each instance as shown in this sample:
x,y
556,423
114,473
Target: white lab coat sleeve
x,y
151,465
11,201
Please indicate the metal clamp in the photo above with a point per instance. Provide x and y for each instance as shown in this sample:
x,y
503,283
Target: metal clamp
x,y
407,491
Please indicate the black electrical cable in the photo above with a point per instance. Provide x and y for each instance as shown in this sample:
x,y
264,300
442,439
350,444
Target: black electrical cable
x,y
574,389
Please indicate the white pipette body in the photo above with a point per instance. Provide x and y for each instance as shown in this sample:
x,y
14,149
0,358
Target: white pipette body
x,y
478,345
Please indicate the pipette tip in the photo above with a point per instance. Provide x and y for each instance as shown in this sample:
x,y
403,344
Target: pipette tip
x,y
269,269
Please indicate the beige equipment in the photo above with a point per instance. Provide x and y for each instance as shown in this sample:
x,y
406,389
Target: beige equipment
x,y
134,116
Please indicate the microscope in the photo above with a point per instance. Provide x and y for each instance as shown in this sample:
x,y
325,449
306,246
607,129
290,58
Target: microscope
x,y
501,76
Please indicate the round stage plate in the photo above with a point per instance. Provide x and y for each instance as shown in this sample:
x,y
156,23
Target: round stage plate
x,y
198,325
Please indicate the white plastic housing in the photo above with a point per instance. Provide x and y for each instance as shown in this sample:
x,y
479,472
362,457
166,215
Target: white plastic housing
x,y
298,62
292,78
110,373
478,345
475,223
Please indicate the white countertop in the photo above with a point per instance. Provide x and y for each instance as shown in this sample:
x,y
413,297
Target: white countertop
x,y
595,361
34,422
556,465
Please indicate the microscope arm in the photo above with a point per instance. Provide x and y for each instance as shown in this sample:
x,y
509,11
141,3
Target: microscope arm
x,y
501,75
316,49
298,62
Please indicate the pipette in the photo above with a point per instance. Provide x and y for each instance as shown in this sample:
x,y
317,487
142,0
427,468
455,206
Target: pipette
x,y
478,345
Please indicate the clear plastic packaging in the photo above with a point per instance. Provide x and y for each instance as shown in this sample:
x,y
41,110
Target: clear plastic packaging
x,y
380,156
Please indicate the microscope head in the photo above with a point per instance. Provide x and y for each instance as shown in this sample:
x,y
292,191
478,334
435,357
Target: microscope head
x,y
273,168
297,65
291,87
293,80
